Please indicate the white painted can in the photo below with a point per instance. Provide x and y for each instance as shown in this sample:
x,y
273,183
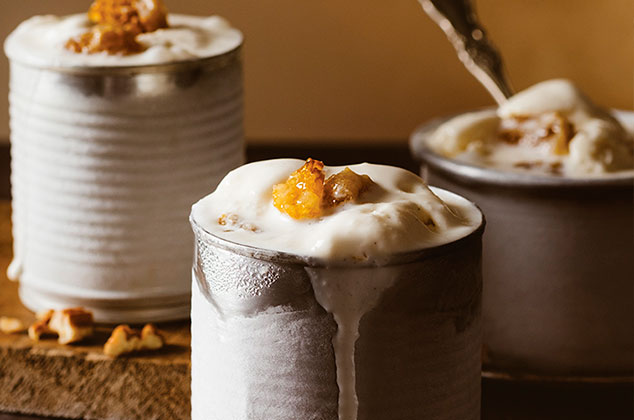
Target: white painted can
x,y
106,162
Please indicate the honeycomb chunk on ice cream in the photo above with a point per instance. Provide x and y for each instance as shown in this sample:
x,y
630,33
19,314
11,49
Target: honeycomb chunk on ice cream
x,y
360,212
550,128
116,24
118,33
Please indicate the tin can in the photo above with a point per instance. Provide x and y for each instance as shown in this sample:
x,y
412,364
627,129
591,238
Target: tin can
x,y
263,347
106,162
557,267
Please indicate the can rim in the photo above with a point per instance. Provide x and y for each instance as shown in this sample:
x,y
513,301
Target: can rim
x,y
472,174
214,61
283,257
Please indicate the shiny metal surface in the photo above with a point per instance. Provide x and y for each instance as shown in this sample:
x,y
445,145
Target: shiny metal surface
x,y
214,62
139,81
424,331
237,291
457,18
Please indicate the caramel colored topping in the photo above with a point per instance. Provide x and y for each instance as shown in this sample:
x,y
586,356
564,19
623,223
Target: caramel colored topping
x,y
110,39
40,327
345,186
71,325
551,127
528,165
301,195
126,340
233,220
554,168
10,325
117,23
307,194
134,16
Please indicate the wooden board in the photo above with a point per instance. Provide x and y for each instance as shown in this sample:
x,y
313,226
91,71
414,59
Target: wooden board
x,y
79,381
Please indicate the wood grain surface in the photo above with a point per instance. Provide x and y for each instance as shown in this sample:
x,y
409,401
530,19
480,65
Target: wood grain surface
x,y
79,381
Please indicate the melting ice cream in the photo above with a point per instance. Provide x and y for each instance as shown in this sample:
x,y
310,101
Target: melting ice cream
x,y
389,211
550,128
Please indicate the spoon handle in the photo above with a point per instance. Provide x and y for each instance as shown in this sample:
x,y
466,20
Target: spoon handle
x,y
458,20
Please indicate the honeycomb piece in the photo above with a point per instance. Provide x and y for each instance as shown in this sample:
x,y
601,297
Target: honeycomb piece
x,y
40,327
550,127
70,325
301,195
232,220
116,25
344,186
126,340
105,38
10,325
135,16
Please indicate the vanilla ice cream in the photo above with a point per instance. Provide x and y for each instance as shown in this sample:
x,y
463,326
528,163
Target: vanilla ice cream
x,y
551,128
39,41
389,219
108,153
273,340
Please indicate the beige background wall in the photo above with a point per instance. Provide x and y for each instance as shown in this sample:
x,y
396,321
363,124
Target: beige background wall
x,y
374,69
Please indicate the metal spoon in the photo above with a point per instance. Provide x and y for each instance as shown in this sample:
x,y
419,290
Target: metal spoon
x,y
458,20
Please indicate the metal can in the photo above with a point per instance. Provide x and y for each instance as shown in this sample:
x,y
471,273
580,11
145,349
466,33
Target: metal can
x,y
263,347
557,267
106,162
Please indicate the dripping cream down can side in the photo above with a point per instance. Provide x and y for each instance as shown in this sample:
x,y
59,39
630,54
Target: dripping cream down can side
x,y
106,162
271,338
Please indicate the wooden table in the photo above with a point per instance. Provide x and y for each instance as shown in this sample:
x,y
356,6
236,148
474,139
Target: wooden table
x,y
500,399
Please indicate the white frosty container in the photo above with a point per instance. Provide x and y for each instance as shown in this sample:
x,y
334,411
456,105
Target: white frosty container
x,y
106,162
263,346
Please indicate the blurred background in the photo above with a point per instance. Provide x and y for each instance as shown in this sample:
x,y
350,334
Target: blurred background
x,y
372,70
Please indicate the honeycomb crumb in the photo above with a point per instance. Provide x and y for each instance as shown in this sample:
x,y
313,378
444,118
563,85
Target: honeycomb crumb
x,y
116,25
345,186
44,315
70,325
550,127
10,325
301,195
134,16
38,329
528,165
102,38
556,168
126,340
233,220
